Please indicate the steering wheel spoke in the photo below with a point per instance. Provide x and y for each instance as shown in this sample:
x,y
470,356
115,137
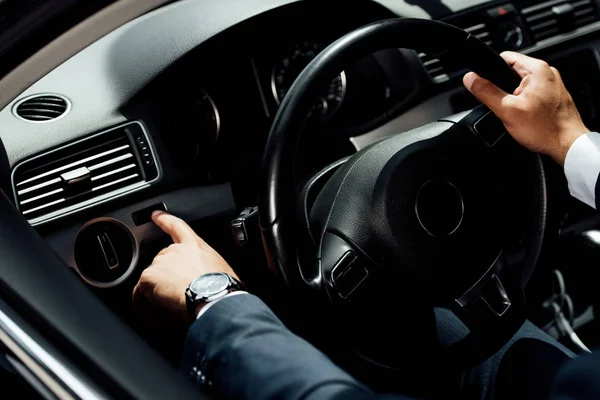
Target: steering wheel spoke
x,y
489,292
342,268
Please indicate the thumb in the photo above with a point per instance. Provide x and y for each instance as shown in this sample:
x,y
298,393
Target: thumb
x,y
485,91
175,227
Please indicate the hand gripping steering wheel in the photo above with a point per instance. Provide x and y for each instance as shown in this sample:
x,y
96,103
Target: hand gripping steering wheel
x,y
451,214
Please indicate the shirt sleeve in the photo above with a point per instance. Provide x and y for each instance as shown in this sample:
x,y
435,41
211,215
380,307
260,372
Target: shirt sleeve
x,y
212,303
582,167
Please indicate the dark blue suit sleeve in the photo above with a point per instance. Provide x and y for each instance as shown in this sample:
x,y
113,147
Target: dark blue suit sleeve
x,y
240,349
579,379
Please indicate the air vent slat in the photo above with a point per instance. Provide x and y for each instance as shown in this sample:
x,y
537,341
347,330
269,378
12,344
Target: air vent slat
x,y
34,117
88,171
41,108
74,164
43,206
473,28
127,178
542,15
585,11
581,3
547,4
436,70
586,20
39,186
116,171
33,105
544,25
110,162
41,196
551,18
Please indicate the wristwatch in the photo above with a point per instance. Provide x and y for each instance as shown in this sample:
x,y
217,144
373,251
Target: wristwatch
x,y
207,288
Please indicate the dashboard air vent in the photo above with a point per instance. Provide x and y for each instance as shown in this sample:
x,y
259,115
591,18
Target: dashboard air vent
x,y
106,165
437,71
557,16
42,107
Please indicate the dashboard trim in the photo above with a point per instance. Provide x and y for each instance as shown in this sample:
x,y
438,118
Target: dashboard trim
x,y
98,199
52,374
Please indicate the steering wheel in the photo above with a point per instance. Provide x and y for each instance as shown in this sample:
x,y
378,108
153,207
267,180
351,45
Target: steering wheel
x,y
451,214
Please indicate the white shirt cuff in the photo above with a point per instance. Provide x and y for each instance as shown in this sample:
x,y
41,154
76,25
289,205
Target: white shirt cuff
x,y
212,303
582,166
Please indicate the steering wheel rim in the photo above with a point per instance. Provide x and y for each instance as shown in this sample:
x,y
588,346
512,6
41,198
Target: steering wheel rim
x,y
277,200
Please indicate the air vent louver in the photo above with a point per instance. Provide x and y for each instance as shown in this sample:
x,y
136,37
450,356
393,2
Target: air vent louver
x,y
550,18
42,108
86,172
437,71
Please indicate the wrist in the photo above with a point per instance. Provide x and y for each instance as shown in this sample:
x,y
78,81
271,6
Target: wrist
x,y
565,142
208,289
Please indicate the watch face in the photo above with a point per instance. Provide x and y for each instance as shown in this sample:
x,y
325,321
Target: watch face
x,y
210,284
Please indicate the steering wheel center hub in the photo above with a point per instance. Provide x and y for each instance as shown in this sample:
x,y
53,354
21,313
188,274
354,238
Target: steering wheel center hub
x,y
440,208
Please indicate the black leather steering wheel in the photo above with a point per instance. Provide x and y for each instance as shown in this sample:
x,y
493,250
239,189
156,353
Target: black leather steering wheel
x,y
453,213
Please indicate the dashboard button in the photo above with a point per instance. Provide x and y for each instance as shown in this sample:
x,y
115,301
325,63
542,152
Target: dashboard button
x,y
144,215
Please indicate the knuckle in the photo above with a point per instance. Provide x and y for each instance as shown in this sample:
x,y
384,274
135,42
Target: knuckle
x,y
523,107
514,108
541,65
146,275
176,247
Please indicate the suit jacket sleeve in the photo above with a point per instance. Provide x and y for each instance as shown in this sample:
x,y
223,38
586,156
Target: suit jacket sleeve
x,y
578,379
239,349
582,169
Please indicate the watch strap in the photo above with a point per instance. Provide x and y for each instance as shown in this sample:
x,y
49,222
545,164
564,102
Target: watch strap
x,y
190,303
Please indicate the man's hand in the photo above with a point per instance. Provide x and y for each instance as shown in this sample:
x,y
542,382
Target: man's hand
x,y
164,282
540,114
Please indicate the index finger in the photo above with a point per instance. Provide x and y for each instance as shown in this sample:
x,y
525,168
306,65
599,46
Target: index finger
x,y
175,227
522,64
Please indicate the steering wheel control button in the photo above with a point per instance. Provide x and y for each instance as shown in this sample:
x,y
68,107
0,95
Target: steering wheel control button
x,y
144,215
490,128
495,296
440,208
348,274
245,223
105,252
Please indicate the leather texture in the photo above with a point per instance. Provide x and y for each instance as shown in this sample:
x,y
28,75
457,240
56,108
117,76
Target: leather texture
x,y
277,198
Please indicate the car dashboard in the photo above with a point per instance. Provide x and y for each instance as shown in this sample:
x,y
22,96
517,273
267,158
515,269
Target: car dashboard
x,y
172,111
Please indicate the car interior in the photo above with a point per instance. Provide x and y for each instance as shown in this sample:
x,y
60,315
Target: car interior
x,y
327,150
